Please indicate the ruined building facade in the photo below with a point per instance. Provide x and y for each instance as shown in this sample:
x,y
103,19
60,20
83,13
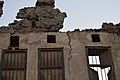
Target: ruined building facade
x,y
34,49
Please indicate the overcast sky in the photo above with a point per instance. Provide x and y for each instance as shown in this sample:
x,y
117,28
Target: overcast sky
x,y
81,13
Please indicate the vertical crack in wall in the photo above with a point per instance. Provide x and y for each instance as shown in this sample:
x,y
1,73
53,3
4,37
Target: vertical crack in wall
x,y
70,56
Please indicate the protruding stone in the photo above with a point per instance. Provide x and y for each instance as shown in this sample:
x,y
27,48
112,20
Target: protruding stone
x,y
1,6
49,3
26,13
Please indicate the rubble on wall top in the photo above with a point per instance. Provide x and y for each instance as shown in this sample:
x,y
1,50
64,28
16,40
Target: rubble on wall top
x,y
111,28
92,30
106,27
42,18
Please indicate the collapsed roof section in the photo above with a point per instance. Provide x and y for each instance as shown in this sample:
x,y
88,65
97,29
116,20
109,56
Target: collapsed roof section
x,y
42,18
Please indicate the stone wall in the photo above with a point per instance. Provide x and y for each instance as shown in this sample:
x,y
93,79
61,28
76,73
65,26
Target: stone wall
x,y
73,44
42,20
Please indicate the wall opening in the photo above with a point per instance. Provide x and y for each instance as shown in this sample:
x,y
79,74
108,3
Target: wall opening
x,y
51,64
14,41
51,39
100,63
95,38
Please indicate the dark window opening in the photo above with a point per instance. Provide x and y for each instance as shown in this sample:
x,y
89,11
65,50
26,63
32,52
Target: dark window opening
x,y
95,38
100,63
51,39
13,65
50,64
14,41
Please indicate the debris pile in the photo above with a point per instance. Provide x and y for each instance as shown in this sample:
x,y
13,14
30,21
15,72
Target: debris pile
x,y
41,18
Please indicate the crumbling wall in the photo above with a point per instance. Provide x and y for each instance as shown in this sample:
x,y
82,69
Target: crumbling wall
x,y
73,43
114,41
41,18
81,39
106,27
74,55
111,28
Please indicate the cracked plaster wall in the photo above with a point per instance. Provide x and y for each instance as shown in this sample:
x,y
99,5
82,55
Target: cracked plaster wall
x,y
73,44
34,36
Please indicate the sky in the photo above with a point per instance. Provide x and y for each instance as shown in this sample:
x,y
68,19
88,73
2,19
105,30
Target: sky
x,y
81,14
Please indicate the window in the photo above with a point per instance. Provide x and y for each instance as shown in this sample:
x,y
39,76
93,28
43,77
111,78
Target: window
x,y
14,41
13,65
50,64
100,63
51,39
95,38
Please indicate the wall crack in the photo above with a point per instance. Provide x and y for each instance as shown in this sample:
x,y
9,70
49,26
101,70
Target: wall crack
x,y
70,51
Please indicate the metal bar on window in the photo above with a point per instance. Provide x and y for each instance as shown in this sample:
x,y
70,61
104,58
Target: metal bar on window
x,y
105,66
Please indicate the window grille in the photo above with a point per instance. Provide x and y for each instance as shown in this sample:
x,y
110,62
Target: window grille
x,y
100,63
13,65
50,64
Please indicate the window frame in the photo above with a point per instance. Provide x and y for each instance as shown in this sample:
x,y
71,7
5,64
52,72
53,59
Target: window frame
x,y
51,37
94,36
99,47
1,62
63,67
